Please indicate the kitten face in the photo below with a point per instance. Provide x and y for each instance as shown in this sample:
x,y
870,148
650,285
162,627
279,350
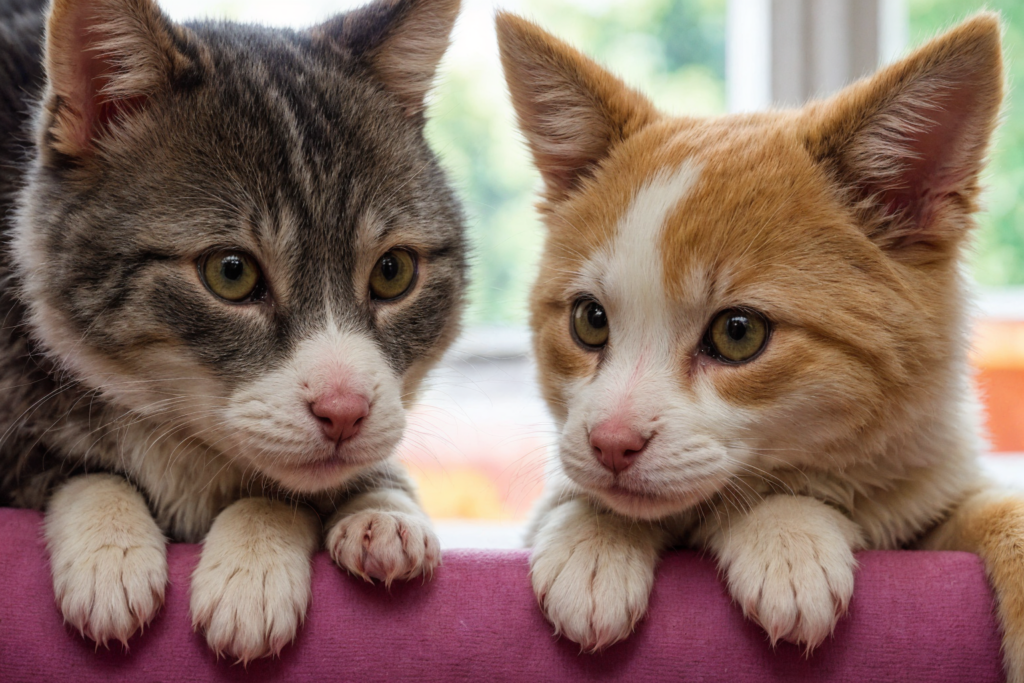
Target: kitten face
x,y
725,298
663,267
206,258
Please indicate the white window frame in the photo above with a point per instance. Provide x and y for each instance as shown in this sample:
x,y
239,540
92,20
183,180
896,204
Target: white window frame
x,y
784,52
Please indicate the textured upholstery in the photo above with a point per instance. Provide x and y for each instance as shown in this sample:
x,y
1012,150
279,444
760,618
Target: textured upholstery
x,y
915,616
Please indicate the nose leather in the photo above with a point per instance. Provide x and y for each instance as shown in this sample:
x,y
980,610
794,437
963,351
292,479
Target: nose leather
x,y
340,414
616,445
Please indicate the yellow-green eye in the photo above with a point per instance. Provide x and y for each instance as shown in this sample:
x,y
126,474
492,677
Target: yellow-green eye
x,y
590,324
736,335
393,274
231,275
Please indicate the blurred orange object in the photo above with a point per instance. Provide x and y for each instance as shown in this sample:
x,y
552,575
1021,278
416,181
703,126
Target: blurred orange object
x,y
491,470
999,356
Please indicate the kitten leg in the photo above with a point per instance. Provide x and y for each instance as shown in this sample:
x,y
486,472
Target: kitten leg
x,y
383,535
592,572
991,524
251,587
789,564
107,555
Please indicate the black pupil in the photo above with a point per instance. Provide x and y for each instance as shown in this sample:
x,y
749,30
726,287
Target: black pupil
x,y
596,317
389,267
736,328
232,268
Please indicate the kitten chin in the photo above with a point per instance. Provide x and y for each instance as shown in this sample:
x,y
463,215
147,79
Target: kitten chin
x,y
640,504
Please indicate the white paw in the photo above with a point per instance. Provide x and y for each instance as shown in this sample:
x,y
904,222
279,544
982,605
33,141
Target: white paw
x,y
251,588
248,609
592,579
792,574
384,545
111,592
107,556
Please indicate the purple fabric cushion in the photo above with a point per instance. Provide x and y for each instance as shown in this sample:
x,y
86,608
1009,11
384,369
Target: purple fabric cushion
x,y
915,616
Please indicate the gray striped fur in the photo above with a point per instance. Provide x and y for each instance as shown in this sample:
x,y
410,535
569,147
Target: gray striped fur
x,y
289,140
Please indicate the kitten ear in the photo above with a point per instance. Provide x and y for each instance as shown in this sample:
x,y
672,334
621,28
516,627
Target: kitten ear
x,y
911,140
104,58
401,40
570,109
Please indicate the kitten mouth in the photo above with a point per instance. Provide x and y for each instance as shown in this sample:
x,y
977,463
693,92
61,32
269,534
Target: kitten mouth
x,y
618,489
648,504
318,472
329,465
648,498
342,457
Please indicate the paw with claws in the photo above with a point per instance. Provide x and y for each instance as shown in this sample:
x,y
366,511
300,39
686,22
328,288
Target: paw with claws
x,y
252,585
789,565
384,545
592,575
109,593
107,556
249,608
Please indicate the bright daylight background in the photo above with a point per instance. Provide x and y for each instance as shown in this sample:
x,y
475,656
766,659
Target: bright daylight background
x,y
479,444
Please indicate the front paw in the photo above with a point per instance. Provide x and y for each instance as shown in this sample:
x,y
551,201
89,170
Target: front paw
x,y
384,545
249,607
592,580
795,579
111,592
251,588
108,558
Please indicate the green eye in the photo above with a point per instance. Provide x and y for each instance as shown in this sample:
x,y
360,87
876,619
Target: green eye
x,y
231,275
393,275
590,324
736,335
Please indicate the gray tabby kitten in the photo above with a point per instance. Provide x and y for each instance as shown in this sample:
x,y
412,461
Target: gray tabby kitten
x,y
230,258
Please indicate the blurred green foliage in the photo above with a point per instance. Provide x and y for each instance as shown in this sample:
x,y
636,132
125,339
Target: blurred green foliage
x,y
674,50
999,258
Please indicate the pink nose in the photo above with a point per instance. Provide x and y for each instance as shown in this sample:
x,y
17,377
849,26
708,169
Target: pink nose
x,y
616,445
340,414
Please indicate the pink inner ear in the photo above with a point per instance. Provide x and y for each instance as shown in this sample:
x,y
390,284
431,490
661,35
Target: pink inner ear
x,y
92,71
936,162
108,111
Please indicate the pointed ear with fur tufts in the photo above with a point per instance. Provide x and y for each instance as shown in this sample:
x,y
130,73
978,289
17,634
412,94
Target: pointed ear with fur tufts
x,y
909,143
571,110
402,41
104,60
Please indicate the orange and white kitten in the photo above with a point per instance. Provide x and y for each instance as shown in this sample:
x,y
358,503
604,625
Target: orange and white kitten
x,y
753,332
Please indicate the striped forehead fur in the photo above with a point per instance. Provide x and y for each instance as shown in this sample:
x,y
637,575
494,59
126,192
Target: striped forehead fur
x,y
633,260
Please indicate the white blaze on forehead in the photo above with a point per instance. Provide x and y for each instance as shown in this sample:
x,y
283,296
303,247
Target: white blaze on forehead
x,y
626,275
636,254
